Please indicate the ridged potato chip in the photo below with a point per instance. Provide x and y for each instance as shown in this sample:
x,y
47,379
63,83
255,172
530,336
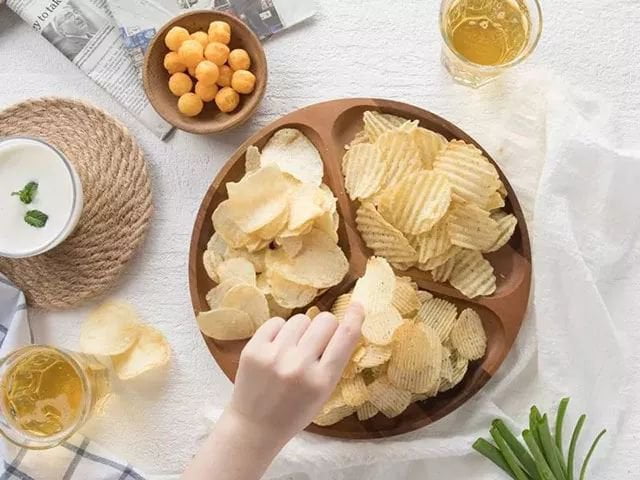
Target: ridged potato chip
x,y
295,154
417,202
290,294
473,275
376,123
277,310
405,297
446,372
340,306
383,238
366,411
215,295
312,312
416,360
364,171
473,177
399,151
424,296
149,351
211,260
387,398
442,273
374,290
354,391
351,370
225,226
471,227
226,324
459,367
433,243
495,201
110,329
334,410
506,225
430,144
252,159
360,138
239,268
320,263
435,262
248,299
374,355
440,315
468,336
379,327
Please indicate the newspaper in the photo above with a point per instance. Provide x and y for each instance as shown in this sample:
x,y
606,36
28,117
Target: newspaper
x,y
84,31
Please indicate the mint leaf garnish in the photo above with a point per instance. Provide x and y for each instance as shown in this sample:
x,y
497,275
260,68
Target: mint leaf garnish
x,y
36,218
28,193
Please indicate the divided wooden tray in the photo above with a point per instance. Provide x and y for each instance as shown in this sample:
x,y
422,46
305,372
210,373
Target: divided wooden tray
x,y
330,126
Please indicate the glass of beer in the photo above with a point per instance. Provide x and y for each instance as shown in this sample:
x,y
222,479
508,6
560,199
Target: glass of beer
x,y
483,38
48,394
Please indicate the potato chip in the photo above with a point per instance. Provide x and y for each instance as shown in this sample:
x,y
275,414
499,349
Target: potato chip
x,y
354,391
429,144
459,367
334,410
256,244
290,294
226,324
320,263
277,310
416,359
399,151
217,245
403,267
250,300
423,296
421,397
366,411
304,229
495,201
290,245
257,259
110,329
405,297
340,306
259,199
502,189
374,290
351,370
440,315
306,203
328,222
471,227
211,260
376,123
468,336
225,226
272,229
150,350
443,272
432,243
390,400
473,178
240,268
416,203
312,312
364,171
473,275
373,355
435,262
506,225
215,295
379,327
373,373
383,238
446,372
252,159
409,126
294,153
360,138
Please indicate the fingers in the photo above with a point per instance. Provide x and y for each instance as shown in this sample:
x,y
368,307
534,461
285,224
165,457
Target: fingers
x,y
344,340
268,331
317,337
292,331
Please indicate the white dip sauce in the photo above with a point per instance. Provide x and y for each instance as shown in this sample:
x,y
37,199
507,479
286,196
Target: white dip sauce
x,y
23,161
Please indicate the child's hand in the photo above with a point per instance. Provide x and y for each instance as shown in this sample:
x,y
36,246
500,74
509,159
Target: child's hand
x,y
288,371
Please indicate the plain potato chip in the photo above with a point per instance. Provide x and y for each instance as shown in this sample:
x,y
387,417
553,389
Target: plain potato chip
x,y
468,336
217,245
262,282
405,297
379,327
250,300
416,360
366,411
312,312
320,263
416,203
433,243
290,294
376,123
471,227
473,275
429,144
226,324
240,268
256,244
277,310
383,238
506,225
340,306
149,351
328,222
252,159
364,171
215,295
440,315
257,259
374,290
306,203
294,153
459,367
110,329
211,260
400,153
290,245
373,355
424,296
473,177
387,398
272,229
225,225
354,391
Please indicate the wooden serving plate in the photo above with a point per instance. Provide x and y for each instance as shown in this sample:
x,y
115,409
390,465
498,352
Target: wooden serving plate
x,y
330,126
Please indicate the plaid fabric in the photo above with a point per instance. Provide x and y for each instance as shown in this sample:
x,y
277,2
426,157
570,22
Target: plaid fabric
x,y
76,459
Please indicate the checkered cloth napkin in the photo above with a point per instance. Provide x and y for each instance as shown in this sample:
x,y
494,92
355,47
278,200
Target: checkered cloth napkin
x,y
76,459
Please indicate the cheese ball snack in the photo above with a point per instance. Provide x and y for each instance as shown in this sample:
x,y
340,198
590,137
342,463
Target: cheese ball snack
x,y
207,72
224,79
175,37
190,104
180,83
206,92
173,64
192,71
243,81
191,52
239,59
200,37
220,32
227,99
217,53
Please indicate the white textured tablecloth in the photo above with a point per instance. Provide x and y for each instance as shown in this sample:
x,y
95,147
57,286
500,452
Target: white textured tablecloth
x,y
358,48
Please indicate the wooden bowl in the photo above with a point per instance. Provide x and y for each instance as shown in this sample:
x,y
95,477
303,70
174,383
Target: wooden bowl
x,y
330,126
210,120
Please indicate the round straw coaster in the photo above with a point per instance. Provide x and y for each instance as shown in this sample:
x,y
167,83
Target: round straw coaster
x,y
117,201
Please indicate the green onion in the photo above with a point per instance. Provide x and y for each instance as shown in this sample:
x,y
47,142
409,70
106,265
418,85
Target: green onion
x,y
543,468
508,455
562,410
550,450
492,453
583,470
518,449
572,445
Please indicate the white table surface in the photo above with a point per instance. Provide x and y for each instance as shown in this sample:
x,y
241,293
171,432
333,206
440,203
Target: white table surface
x,y
376,48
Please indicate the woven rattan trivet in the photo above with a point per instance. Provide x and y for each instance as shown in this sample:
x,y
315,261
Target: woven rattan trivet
x,y
117,201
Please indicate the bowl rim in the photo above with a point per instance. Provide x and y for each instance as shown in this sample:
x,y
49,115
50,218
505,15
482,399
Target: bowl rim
x,y
204,128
